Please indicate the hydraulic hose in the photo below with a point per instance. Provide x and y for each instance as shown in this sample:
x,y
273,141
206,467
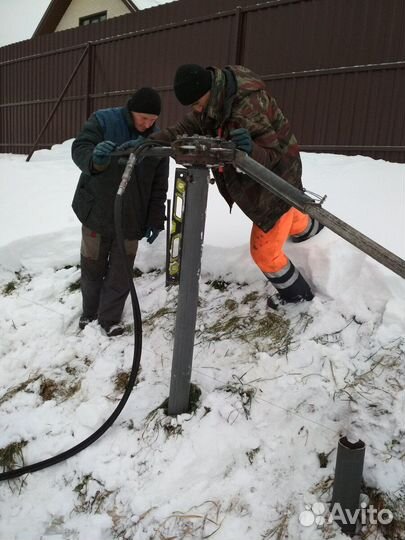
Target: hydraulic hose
x,y
9,475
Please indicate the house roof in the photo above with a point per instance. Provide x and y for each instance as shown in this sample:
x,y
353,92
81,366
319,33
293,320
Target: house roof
x,y
55,12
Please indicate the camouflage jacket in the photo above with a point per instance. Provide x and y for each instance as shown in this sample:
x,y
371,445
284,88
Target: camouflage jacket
x,y
239,100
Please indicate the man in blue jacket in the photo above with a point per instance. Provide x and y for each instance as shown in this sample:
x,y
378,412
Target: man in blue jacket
x,y
104,283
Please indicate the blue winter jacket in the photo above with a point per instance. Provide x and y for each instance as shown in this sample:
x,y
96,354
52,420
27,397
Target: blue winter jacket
x,y
145,197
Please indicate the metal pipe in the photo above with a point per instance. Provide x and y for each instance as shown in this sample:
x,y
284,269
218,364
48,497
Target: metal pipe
x,y
303,202
193,235
168,229
347,483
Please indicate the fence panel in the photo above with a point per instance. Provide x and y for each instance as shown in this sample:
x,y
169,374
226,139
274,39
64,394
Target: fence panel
x,y
30,90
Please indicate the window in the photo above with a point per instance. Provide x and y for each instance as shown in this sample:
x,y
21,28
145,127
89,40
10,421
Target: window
x,y
94,18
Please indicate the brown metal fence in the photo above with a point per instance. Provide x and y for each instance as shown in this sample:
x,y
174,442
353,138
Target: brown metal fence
x,y
337,69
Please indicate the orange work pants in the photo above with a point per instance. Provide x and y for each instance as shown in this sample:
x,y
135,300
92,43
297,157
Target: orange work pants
x,y
266,248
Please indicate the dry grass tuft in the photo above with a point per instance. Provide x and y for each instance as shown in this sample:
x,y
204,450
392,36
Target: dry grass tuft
x,y
251,454
377,384
11,456
121,380
270,331
218,284
280,530
58,390
392,502
91,494
202,521
250,298
157,315
9,288
19,388
323,486
75,286
245,391
158,420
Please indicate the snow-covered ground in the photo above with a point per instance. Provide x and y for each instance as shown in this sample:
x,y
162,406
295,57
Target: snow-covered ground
x,y
278,390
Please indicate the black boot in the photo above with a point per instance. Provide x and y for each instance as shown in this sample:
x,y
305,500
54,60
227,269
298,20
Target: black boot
x,y
314,227
85,320
290,285
112,328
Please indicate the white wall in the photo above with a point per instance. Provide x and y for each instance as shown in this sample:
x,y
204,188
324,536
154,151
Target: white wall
x,y
82,8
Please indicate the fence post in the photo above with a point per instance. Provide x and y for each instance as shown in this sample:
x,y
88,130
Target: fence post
x,y
238,45
90,78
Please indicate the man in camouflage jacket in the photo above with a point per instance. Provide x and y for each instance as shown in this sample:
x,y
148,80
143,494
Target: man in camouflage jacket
x,y
233,103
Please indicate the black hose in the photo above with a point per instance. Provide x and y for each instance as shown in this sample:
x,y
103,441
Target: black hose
x,y
9,475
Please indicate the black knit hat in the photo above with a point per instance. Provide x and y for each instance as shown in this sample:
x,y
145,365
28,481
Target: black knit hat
x,y
145,100
191,82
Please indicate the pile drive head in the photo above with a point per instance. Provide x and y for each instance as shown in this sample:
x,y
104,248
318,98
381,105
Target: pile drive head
x,y
195,150
199,151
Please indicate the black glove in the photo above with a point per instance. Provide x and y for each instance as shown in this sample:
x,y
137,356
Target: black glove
x,y
151,234
102,151
133,144
242,139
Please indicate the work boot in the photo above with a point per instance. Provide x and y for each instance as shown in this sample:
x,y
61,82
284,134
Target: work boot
x,y
274,301
85,320
112,329
290,284
314,227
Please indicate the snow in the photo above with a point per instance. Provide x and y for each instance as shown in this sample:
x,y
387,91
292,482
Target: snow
x,y
246,461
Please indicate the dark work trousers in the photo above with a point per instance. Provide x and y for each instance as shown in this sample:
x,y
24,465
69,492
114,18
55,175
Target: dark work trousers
x,y
104,282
